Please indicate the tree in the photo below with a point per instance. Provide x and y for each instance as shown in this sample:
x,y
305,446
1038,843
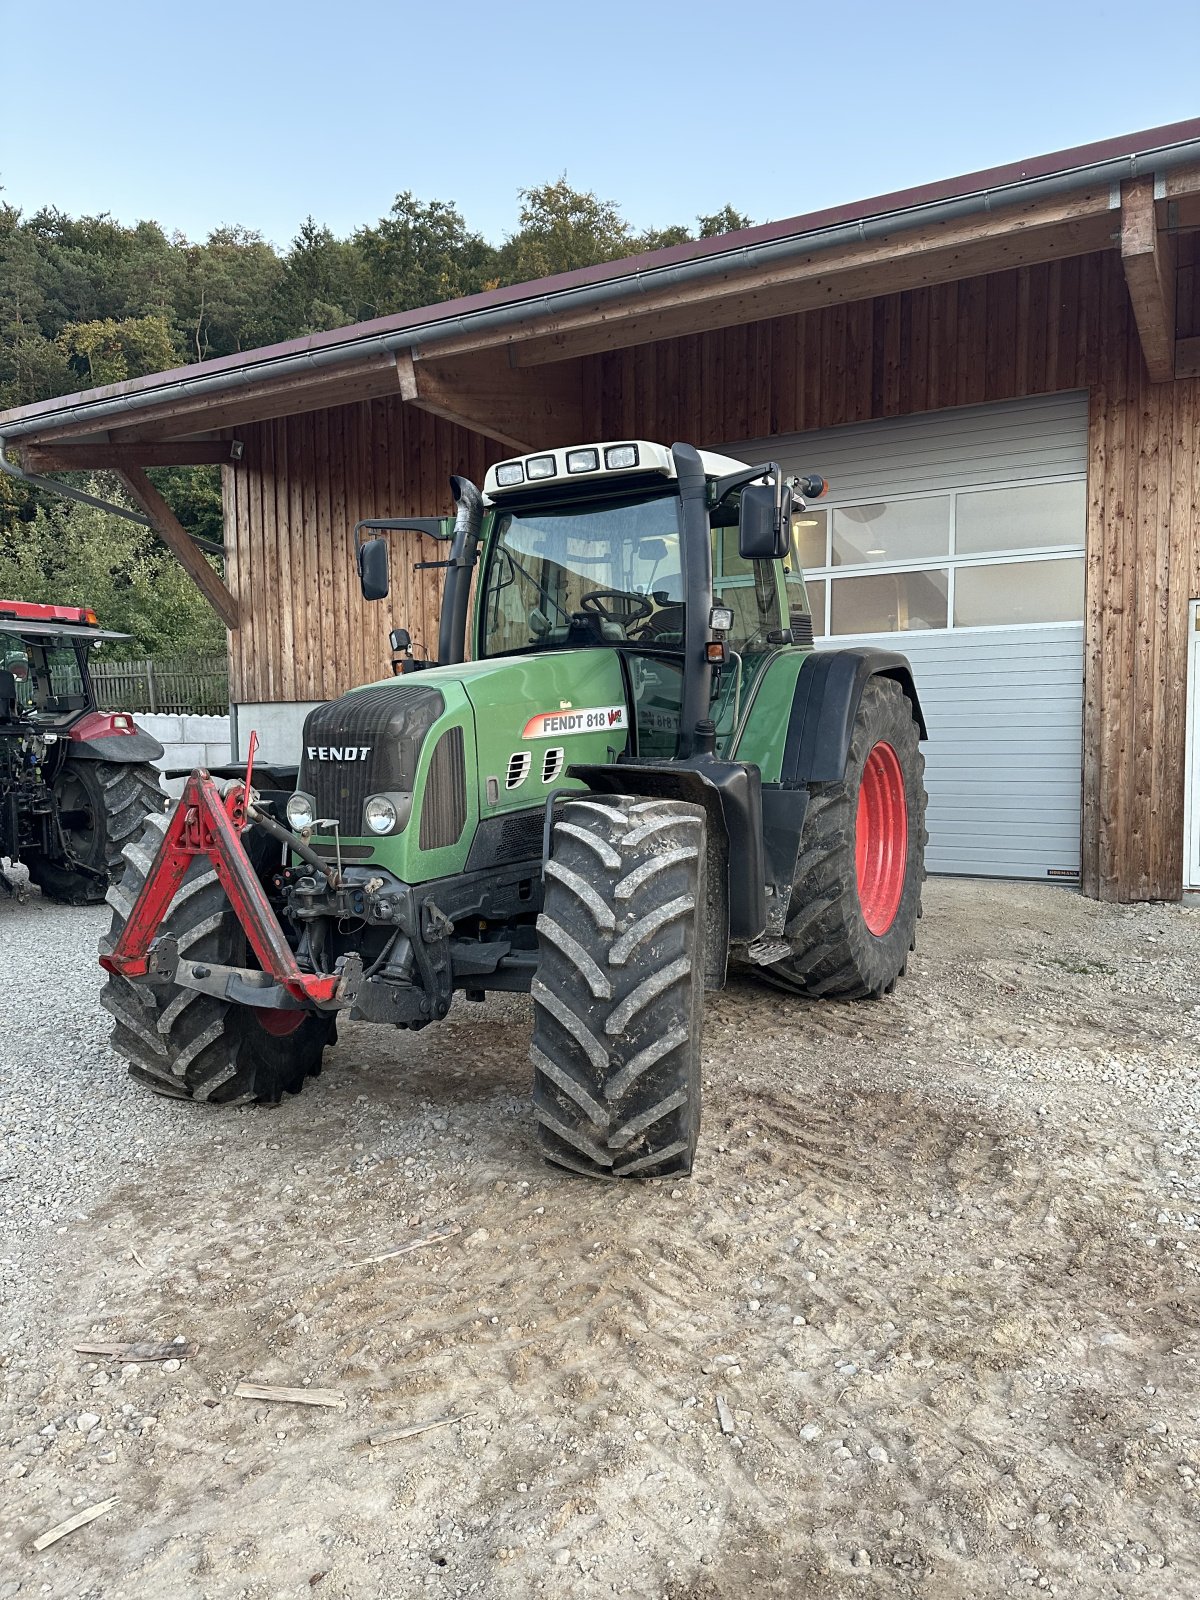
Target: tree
x,y
226,299
419,254
727,220
72,554
107,351
562,229
316,289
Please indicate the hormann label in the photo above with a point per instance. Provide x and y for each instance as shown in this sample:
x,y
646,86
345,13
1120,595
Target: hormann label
x,y
561,724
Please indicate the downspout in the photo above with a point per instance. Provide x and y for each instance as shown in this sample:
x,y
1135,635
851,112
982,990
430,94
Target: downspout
x,y
66,492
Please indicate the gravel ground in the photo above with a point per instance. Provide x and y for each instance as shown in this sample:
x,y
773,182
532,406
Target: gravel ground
x,y
924,1321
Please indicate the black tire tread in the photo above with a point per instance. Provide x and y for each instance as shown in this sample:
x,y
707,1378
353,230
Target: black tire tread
x,y
619,992
834,954
126,793
184,1044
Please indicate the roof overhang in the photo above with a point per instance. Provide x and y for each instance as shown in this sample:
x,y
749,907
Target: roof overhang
x,y
507,363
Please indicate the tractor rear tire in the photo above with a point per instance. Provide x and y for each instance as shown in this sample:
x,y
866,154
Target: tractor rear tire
x,y
111,799
856,896
619,993
192,1046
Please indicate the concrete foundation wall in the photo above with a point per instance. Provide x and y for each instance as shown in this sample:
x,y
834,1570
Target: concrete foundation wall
x,y
188,741
279,727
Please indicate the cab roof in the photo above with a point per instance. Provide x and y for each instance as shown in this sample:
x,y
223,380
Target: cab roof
x,y
605,461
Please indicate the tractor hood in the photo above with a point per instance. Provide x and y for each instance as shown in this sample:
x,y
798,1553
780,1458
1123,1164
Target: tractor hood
x,y
466,755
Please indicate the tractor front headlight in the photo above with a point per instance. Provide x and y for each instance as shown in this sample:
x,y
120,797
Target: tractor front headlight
x,y
379,814
300,812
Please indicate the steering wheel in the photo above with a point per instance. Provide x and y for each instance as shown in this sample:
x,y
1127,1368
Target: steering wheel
x,y
628,607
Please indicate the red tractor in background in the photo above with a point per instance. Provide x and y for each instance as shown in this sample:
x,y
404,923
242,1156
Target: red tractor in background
x,y
76,783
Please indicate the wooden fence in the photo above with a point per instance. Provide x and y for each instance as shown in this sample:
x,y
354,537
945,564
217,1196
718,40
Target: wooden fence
x,y
197,685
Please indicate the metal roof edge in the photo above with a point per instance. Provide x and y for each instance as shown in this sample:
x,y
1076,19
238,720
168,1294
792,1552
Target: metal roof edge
x,y
1109,160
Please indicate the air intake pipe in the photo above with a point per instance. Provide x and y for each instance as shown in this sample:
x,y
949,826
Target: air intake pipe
x,y
468,519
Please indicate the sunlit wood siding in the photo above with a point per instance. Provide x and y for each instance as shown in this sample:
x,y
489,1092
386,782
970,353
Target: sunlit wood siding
x,y
290,508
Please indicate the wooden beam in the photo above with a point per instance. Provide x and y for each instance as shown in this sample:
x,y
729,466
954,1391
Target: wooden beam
x,y
524,410
179,542
257,401
1148,258
910,258
98,457
1187,358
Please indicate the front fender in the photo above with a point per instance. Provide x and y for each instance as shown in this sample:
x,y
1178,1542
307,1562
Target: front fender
x,y
825,704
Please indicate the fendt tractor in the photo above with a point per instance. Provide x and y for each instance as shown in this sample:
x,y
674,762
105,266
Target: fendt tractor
x,y
642,776
76,784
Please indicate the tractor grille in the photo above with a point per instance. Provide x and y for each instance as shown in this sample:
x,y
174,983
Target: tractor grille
x,y
501,840
444,803
366,743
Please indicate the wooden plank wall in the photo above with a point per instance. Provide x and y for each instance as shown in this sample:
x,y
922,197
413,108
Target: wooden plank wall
x,y
292,501
290,508
1032,330
1143,563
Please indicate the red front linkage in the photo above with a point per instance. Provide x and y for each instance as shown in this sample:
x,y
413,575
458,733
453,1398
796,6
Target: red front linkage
x,y
202,824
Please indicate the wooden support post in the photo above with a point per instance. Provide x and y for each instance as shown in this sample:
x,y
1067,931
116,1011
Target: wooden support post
x,y
180,543
1148,258
523,409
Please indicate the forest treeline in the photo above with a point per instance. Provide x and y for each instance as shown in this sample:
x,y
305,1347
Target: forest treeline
x,y
89,300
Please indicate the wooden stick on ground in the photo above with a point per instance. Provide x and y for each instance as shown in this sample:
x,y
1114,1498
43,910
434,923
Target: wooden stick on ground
x,y
288,1396
80,1520
140,1350
403,1250
391,1435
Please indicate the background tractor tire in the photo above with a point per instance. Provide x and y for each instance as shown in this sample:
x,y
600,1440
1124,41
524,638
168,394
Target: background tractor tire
x,y
105,805
619,994
856,897
192,1046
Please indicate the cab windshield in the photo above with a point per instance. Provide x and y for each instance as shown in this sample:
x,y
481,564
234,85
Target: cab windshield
x,y
569,576
47,680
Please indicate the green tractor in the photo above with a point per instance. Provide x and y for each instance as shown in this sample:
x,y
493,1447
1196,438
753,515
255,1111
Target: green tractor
x,y
643,776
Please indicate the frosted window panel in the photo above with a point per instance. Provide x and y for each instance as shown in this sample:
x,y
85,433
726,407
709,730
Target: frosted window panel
x,y
810,533
893,602
1019,591
891,530
816,598
1028,518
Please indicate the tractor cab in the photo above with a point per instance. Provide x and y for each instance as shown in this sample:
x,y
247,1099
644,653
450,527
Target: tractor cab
x,y
601,564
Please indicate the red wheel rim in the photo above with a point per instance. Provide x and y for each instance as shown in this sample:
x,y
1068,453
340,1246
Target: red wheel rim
x,y
881,839
279,1023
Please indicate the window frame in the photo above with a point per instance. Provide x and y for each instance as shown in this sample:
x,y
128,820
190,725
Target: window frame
x,y
828,575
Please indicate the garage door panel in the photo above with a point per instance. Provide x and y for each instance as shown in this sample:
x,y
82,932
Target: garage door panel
x,y
1003,703
1003,757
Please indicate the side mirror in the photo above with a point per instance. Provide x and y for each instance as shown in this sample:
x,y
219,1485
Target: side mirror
x,y
373,568
762,532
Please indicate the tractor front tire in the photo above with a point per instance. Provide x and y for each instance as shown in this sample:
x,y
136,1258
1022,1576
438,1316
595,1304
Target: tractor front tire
x,y
107,803
192,1046
619,994
856,896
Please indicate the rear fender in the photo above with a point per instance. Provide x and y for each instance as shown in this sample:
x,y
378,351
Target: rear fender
x,y
825,704
111,736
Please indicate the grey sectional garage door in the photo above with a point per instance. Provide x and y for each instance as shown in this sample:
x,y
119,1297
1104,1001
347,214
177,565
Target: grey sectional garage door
x,y
957,538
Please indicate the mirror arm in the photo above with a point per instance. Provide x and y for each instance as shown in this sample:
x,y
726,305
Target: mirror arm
x,y
430,526
723,487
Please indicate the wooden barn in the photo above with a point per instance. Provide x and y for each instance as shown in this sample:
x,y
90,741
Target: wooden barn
x,y
999,375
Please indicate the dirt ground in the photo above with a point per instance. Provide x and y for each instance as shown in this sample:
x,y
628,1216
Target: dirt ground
x,y
936,1270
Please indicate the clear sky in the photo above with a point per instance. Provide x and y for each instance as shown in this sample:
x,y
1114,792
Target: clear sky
x,y
263,111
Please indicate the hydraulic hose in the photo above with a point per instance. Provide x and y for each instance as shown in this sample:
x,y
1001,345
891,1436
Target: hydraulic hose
x,y
260,819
